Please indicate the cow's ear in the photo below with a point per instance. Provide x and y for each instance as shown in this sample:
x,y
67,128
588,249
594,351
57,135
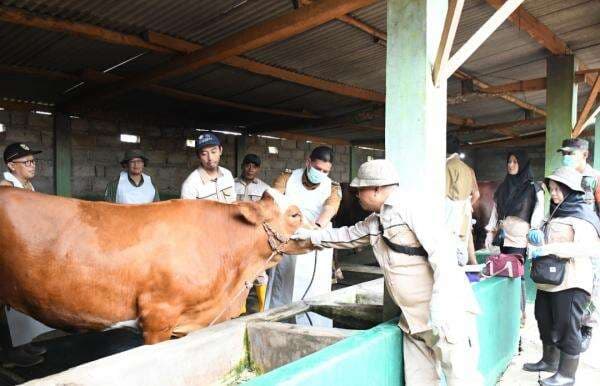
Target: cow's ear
x,y
251,212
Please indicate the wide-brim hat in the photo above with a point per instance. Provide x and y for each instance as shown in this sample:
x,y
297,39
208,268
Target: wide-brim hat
x,y
134,153
379,172
18,150
567,176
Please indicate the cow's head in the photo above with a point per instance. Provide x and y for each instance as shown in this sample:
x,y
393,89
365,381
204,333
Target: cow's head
x,y
281,215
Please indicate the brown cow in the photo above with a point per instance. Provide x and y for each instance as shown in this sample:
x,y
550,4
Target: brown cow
x,y
172,267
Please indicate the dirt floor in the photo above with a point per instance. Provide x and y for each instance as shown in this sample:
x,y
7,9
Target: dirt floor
x,y
588,373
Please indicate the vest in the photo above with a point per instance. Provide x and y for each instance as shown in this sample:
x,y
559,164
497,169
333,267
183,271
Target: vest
x,y
129,194
309,201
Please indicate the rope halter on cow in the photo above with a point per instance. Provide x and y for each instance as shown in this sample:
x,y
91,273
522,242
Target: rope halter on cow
x,y
276,242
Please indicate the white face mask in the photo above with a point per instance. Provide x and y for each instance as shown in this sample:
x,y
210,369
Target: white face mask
x,y
314,175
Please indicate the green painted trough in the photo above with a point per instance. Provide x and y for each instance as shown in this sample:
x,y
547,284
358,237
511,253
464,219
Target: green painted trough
x,y
374,357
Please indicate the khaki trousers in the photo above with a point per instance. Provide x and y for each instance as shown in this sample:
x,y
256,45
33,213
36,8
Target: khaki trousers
x,y
427,357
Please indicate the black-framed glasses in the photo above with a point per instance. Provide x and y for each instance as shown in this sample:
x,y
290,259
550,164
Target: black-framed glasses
x,y
28,163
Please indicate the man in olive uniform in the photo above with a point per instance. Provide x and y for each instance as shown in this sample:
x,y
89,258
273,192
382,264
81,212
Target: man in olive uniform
x,y
248,187
438,305
462,193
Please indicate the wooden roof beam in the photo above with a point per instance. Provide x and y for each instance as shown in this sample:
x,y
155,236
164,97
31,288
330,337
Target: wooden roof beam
x,y
503,125
449,32
587,108
104,78
186,47
90,31
525,21
479,37
270,31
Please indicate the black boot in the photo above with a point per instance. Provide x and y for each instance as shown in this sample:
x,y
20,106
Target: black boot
x,y
586,334
549,361
19,357
566,371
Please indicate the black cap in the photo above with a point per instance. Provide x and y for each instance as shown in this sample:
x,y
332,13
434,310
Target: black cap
x,y
17,150
134,153
251,159
207,139
572,144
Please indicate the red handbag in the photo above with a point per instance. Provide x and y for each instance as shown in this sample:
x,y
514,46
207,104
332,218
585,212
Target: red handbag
x,y
504,265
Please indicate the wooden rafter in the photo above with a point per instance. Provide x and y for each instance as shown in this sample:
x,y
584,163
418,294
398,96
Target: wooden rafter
x,y
186,47
542,34
103,78
587,108
85,30
535,84
449,32
507,97
479,37
502,125
270,31
350,20
533,139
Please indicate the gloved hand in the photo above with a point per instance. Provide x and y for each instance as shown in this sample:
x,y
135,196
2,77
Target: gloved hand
x,y
489,238
302,234
535,237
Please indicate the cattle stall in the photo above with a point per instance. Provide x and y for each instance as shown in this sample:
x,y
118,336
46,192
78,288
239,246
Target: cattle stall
x,y
86,81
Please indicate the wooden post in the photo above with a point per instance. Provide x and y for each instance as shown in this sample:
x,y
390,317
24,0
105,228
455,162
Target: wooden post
x,y
561,106
415,114
597,143
240,152
62,154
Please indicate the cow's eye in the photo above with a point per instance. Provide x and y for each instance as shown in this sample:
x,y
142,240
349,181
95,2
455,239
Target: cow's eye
x,y
296,215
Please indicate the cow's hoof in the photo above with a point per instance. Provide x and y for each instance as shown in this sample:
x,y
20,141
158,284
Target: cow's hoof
x,y
19,357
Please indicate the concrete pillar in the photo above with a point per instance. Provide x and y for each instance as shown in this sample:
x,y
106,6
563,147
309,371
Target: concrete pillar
x,y
62,154
415,113
597,143
561,105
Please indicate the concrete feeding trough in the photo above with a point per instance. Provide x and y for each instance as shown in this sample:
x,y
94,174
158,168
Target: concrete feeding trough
x,y
233,352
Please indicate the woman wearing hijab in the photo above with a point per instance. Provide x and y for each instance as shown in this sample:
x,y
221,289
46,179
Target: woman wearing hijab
x,y
518,207
559,308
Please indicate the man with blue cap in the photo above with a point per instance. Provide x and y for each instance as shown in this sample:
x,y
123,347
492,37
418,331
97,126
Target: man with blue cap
x,y
209,181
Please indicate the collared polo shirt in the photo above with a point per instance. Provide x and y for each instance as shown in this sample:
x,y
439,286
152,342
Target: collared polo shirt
x,y
249,191
199,185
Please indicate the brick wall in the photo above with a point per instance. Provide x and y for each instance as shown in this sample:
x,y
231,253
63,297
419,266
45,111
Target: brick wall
x,y
97,150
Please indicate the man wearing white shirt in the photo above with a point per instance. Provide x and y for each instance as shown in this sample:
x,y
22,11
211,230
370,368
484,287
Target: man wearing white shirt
x,y
209,181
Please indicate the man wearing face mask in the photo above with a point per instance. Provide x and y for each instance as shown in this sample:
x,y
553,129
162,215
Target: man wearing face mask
x,y
575,152
306,276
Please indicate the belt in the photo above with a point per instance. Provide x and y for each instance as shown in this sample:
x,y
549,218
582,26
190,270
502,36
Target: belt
x,y
405,250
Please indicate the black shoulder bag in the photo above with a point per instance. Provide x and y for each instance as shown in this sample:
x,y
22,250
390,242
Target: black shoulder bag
x,y
548,269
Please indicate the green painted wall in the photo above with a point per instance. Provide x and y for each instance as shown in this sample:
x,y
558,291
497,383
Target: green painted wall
x,y
374,357
62,154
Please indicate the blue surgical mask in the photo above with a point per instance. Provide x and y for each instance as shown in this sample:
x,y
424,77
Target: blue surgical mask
x,y
569,160
314,175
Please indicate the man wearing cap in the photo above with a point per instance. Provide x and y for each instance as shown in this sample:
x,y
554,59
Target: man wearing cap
x,y
438,305
209,181
575,152
318,197
248,187
132,186
462,193
20,161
